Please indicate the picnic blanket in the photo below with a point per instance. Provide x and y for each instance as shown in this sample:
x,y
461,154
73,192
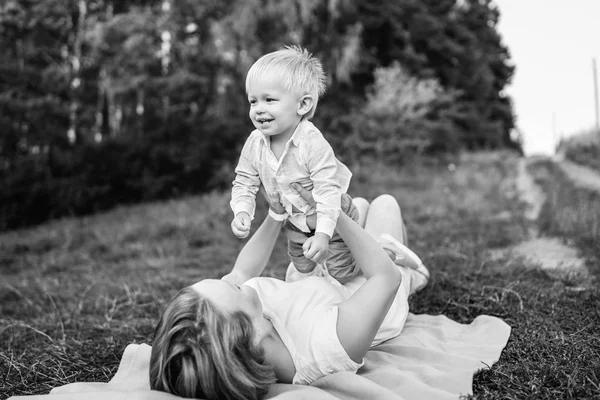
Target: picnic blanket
x,y
433,358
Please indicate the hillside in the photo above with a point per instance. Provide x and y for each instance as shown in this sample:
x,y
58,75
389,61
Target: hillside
x,y
75,292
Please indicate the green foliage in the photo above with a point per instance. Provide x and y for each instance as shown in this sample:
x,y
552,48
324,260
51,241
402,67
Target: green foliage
x,y
458,45
582,148
77,74
34,75
402,116
98,177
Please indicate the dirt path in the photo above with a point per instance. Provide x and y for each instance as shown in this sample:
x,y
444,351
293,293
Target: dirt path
x,y
551,255
529,192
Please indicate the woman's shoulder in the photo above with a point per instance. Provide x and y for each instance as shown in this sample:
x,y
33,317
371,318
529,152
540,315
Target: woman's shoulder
x,y
265,282
269,290
305,287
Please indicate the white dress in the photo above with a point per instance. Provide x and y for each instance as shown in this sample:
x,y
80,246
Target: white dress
x,y
304,313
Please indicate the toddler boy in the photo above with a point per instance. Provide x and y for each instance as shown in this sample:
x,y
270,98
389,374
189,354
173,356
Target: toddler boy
x,y
283,90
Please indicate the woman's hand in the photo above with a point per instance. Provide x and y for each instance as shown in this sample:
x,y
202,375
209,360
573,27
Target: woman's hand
x,y
274,201
305,194
311,220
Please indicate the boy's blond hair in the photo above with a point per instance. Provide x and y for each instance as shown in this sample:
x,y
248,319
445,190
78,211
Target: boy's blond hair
x,y
302,73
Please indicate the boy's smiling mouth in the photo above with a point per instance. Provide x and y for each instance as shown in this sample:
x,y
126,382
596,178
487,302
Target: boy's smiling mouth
x,y
264,120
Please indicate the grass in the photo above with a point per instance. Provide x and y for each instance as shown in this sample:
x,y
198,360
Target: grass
x,y
570,211
75,292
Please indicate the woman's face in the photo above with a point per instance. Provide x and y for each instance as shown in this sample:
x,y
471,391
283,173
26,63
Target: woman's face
x,y
230,297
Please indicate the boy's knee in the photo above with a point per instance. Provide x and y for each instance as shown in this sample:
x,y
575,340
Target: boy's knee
x,y
342,266
295,237
303,264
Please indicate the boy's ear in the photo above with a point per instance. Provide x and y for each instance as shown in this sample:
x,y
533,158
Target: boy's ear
x,y
305,105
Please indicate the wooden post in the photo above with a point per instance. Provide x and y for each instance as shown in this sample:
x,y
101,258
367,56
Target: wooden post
x,y
554,130
596,108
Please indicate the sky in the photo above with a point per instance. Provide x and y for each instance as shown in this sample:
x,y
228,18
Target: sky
x,y
552,44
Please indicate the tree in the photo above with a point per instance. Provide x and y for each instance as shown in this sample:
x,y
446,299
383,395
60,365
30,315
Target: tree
x,y
456,44
34,94
157,87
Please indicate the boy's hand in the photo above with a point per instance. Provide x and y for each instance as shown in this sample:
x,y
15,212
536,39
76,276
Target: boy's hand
x,y
241,225
316,247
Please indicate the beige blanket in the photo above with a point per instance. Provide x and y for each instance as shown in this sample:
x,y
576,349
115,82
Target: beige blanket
x,y
433,358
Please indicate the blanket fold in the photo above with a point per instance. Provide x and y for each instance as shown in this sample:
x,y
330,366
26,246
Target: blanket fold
x,y
433,358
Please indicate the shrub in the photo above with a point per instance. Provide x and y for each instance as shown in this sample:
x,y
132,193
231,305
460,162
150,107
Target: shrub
x,y
93,177
582,148
404,116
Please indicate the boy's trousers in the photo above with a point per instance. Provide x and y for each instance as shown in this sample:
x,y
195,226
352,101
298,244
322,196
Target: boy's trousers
x,y
340,263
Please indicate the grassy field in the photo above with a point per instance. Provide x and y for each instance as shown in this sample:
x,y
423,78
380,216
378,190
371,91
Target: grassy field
x,y
75,292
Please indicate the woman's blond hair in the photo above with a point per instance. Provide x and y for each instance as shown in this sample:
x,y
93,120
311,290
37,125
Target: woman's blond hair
x,y
302,73
199,351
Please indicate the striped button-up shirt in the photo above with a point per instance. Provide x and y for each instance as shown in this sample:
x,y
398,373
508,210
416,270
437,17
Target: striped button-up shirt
x,y
307,159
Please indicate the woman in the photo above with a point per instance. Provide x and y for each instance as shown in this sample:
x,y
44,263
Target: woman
x,y
223,340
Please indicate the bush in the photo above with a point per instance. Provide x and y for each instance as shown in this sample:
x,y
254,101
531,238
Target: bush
x,y
92,177
403,117
582,148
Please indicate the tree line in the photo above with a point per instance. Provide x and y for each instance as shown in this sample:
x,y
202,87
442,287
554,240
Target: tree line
x,y
106,102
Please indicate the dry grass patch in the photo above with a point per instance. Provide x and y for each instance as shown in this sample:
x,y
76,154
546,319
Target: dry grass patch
x,y
75,292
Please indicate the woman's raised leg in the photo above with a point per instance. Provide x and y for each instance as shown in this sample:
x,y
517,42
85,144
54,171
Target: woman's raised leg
x,y
362,205
384,216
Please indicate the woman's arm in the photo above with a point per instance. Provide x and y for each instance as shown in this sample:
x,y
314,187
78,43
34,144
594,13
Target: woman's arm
x,y
360,316
282,391
255,254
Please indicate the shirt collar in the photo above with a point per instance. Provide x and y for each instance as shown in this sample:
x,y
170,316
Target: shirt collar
x,y
300,131
298,134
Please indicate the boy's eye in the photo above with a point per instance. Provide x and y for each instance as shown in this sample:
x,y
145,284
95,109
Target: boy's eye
x,y
270,99
252,101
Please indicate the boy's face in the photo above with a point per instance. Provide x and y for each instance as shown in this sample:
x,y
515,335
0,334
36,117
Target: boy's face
x,y
273,110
